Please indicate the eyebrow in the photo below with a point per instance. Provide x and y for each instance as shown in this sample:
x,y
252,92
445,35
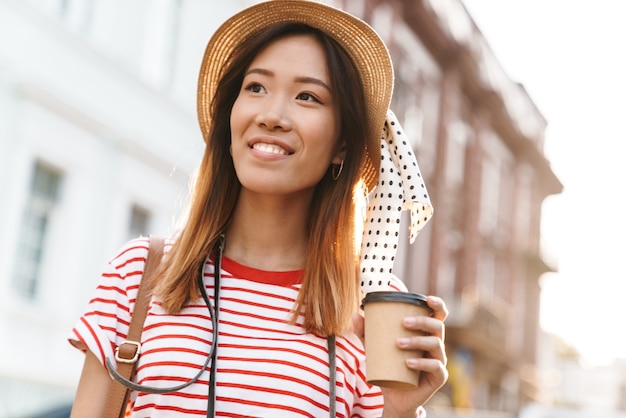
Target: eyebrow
x,y
302,79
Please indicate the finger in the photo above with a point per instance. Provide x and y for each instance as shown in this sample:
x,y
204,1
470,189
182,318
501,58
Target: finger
x,y
431,346
440,311
435,368
425,324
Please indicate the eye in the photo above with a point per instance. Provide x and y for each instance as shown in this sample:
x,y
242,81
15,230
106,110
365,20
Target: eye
x,y
308,97
255,88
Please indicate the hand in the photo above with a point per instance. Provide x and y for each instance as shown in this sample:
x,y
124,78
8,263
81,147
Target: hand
x,y
432,367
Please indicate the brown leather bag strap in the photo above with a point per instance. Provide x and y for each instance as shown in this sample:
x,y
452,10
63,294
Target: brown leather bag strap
x,y
128,352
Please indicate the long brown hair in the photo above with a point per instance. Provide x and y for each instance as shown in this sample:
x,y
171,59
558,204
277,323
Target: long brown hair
x,y
330,290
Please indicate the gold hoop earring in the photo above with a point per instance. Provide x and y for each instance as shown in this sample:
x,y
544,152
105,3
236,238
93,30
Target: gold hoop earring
x,y
336,175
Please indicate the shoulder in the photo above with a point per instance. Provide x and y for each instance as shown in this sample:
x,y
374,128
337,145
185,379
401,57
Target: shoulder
x,y
132,252
125,269
132,256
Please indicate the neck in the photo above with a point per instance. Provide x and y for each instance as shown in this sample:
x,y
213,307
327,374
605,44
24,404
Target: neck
x,y
268,233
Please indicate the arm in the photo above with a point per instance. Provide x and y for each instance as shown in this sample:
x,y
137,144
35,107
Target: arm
x,y
93,389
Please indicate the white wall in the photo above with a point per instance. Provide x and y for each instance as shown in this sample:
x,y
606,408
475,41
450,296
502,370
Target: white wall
x,y
99,95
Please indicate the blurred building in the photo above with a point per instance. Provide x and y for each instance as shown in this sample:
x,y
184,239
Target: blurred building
x,y
479,140
98,137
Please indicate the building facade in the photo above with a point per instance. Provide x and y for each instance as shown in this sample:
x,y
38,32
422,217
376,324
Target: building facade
x,y
98,138
479,140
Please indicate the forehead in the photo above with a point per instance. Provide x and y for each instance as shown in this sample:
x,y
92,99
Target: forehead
x,y
291,52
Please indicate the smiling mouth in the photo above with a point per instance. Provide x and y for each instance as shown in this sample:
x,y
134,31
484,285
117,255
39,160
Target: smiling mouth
x,y
270,148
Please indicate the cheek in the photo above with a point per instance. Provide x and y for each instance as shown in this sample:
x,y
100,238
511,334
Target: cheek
x,y
328,139
240,115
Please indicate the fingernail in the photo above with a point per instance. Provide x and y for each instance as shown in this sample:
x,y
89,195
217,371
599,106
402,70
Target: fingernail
x,y
409,320
403,342
412,362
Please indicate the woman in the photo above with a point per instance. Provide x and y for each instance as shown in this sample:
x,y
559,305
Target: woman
x,y
292,100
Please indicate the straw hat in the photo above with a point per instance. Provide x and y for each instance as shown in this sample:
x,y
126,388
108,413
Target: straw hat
x,y
360,41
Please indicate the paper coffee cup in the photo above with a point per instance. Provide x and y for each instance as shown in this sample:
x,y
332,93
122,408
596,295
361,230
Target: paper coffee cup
x,y
385,362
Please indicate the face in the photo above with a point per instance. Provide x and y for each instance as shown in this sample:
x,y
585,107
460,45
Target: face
x,y
285,123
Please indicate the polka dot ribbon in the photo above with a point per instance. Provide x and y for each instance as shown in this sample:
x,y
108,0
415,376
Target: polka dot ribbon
x,y
400,187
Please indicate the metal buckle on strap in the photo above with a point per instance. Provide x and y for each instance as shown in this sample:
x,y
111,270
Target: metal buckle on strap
x,y
125,360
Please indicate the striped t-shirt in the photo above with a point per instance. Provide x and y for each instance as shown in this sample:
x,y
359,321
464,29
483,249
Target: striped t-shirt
x,y
265,367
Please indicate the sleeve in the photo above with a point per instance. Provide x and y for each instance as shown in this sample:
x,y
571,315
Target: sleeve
x,y
396,284
104,325
369,404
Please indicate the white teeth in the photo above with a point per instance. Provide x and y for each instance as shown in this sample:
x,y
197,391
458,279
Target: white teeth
x,y
273,149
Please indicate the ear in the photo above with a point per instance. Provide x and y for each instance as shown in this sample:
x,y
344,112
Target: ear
x,y
340,154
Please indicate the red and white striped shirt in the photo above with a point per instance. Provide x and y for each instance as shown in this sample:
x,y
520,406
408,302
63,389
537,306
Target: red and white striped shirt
x,y
266,367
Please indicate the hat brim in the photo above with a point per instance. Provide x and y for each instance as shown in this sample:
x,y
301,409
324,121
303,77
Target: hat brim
x,y
361,42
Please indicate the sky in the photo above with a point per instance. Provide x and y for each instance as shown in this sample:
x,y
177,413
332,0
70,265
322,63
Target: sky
x,y
570,56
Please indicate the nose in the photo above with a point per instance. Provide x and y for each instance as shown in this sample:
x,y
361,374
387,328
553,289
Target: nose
x,y
274,116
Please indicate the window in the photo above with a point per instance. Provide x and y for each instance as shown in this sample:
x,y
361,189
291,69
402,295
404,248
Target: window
x,y
42,200
139,221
